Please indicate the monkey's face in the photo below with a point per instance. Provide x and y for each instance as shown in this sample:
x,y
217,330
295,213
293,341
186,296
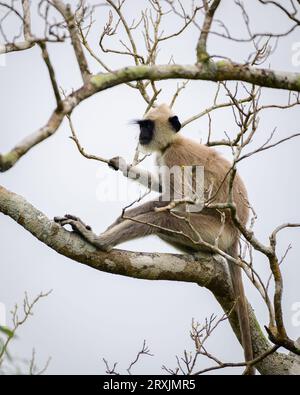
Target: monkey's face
x,y
146,131
158,129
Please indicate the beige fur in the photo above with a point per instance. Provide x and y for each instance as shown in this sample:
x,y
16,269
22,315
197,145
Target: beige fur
x,y
173,149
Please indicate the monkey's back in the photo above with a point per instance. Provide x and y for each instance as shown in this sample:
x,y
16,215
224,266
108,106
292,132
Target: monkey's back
x,y
186,152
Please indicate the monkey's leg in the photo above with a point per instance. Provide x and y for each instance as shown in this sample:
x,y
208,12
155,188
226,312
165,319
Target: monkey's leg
x,y
126,230
122,230
149,222
173,229
141,209
129,229
105,241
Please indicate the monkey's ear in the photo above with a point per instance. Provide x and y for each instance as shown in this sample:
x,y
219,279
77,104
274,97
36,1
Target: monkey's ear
x,y
174,121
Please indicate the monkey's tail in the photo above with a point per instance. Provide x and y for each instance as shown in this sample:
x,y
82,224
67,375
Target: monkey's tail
x,y
241,307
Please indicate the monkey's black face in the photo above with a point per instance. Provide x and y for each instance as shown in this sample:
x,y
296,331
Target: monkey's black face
x,y
147,127
146,131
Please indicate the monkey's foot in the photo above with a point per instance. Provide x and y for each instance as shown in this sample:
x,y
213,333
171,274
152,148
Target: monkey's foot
x,y
84,230
77,226
66,221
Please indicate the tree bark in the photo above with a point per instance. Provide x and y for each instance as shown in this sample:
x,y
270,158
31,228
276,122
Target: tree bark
x,y
224,70
209,271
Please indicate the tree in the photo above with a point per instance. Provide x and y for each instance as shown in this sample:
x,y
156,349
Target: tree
x,y
62,23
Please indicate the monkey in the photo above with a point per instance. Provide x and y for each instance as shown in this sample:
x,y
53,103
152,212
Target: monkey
x,y
159,134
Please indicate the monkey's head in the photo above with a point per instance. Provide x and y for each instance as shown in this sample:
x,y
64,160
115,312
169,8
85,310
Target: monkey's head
x,y
158,129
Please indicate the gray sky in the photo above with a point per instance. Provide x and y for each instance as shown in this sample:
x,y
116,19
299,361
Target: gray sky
x,y
91,315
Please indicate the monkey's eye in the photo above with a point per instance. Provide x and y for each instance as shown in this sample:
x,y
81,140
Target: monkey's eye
x,y
146,124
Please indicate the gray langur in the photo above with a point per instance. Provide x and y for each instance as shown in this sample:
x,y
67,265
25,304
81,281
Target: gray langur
x,y
158,133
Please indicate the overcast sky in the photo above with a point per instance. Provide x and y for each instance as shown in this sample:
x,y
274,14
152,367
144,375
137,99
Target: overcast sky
x,y
91,315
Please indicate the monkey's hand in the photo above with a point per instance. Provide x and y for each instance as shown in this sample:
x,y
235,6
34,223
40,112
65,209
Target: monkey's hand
x,y
118,163
75,222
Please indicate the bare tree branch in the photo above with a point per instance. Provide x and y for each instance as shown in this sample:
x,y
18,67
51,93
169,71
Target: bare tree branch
x,y
51,72
29,38
205,270
143,76
70,19
222,70
210,10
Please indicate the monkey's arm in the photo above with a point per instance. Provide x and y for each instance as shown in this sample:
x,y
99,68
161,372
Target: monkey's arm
x,y
142,176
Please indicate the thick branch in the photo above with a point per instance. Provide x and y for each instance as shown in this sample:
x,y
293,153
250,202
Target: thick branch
x,y
14,47
214,71
218,71
206,270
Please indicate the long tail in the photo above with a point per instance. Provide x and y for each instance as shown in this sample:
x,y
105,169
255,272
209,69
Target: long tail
x,y
242,308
